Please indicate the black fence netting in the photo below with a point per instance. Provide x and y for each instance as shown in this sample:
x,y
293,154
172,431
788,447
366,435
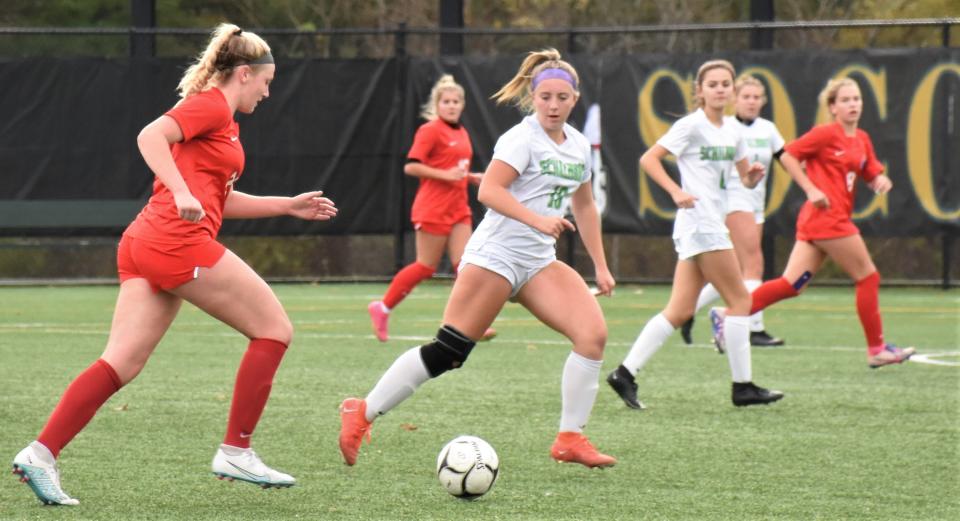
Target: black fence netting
x,y
69,161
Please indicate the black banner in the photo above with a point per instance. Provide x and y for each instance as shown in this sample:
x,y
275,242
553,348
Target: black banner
x,y
69,162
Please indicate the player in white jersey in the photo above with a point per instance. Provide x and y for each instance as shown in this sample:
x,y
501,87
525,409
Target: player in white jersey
x,y
745,207
536,166
707,148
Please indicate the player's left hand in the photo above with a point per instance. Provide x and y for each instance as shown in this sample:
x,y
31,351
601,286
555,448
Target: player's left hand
x,y
605,282
312,206
880,184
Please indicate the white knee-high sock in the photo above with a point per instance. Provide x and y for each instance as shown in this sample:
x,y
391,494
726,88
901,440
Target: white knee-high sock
x,y
736,330
756,319
654,334
707,295
397,384
579,386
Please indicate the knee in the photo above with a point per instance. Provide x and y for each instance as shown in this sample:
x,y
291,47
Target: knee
x,y
448,351
281,330
590,342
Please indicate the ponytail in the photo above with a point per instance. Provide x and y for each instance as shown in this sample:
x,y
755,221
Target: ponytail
x,y
229,47
518,90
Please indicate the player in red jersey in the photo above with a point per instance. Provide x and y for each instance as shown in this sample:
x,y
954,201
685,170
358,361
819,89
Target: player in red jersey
x,y
835,155
440,157
170,254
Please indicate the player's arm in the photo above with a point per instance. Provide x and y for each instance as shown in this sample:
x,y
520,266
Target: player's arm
x,y
494,193
311,206
814,195
584,210
154,143
418,169
652,163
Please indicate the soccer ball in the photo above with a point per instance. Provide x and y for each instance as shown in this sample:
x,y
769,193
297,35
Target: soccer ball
x,y
467,467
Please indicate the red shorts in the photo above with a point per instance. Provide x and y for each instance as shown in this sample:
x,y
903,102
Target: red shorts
x,y
165,266
821,226
441,228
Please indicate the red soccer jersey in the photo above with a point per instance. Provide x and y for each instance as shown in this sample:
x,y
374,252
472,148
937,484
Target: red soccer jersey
x,y
833,163
210,159
440,145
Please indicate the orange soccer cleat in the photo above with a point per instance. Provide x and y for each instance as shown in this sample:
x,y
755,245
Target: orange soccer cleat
x,y
573,447
354,427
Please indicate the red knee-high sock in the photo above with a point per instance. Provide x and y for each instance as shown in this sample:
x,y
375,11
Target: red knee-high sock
x,y
250,393
868,307
404,282
771,292
79,403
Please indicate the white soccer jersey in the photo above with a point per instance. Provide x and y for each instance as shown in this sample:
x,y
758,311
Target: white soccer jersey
x,y
549,174
762,139
705,154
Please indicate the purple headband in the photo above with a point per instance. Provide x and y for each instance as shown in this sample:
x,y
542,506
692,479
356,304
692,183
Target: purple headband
x,y
554,73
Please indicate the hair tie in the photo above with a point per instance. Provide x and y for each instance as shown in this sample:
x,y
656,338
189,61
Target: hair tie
x,y
238,32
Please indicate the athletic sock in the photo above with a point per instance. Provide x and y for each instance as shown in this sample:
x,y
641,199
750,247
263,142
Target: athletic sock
x,y
707,295
771,292
79,403
252,389
578,390
756,319
736,331
397,384
404,282
868,308
654,334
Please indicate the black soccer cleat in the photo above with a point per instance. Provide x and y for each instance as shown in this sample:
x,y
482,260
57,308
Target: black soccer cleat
x,y
763,339
686,331
749,394
625,385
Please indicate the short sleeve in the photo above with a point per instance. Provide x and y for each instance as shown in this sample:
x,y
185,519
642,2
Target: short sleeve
x,y
423,142
776,140
872,166
200,114
587,161
677,138
741,148
809,144
513,148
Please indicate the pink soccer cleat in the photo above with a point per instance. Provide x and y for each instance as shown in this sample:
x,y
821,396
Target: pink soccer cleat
x,y
378,318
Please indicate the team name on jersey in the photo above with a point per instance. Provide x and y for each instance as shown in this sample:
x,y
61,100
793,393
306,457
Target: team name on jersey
x,y
708,153
558,168
758,142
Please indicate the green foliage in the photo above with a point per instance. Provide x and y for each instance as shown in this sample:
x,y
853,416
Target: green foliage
x,y
845,443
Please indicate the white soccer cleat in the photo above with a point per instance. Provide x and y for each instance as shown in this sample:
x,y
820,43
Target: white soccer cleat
x,y
232,463
38,468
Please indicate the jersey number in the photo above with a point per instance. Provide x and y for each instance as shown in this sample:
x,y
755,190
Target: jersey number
x,y
557,196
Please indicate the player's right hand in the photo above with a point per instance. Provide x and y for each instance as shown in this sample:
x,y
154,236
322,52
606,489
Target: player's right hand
x,y
554,226
818,198
189,207
683,199
456,173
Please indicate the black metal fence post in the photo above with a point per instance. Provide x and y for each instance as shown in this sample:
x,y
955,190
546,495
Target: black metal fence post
x,y
143,15
400,102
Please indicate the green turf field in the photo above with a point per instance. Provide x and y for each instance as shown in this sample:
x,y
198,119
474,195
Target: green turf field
x,y
846,442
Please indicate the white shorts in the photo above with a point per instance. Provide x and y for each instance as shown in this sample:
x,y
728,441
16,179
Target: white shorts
x,y
740,199
516,274
693,244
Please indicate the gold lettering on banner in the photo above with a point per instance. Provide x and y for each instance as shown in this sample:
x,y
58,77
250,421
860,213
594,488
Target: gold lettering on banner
x,y
652,127
876,82
785,119
919,165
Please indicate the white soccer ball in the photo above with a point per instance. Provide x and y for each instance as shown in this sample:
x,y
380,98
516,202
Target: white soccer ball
x,y
467,467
